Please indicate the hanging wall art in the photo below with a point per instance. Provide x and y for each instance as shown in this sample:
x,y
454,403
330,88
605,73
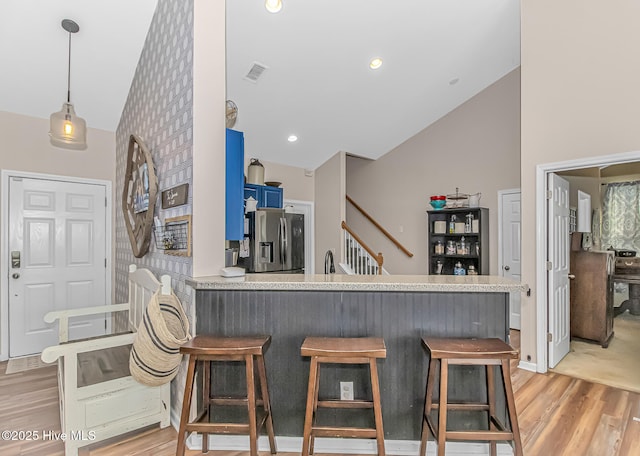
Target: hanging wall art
x,y
139,196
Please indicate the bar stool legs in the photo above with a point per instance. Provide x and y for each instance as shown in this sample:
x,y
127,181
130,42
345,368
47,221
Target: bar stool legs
x,y
342,351
377,408
482,352
205,349
186,407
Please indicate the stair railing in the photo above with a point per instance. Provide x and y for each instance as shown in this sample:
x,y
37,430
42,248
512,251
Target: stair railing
x,y
380,228
359,256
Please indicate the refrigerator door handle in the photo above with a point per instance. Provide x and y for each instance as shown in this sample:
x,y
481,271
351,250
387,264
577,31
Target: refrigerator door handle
x,y
283,240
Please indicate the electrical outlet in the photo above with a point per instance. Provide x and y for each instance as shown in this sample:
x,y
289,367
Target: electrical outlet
x,y
346,391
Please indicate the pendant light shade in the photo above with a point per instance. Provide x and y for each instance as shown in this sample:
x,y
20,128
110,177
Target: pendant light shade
x,y
66,129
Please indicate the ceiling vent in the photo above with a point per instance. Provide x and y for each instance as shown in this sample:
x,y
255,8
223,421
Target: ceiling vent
x,y
255,72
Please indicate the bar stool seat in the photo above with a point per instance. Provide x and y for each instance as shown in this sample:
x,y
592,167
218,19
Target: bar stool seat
x,y
487,352
207,349
341,350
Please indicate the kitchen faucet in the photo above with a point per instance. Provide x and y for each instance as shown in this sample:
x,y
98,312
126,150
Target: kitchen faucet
x,y
329,267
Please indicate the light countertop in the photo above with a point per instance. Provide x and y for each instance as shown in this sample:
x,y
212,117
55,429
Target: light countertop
x,y
342,282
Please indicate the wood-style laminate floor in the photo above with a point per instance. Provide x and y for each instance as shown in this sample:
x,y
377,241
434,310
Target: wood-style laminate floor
x,y
558,415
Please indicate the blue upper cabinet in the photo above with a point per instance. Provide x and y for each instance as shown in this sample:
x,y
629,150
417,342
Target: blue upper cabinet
x,y
265,195
272,197
234,196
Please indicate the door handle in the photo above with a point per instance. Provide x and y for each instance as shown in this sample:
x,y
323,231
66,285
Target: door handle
x,y
506,268
15,275
15,259
571,276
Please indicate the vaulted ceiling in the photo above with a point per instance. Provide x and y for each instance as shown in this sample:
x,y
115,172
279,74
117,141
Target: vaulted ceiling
x,y
317,84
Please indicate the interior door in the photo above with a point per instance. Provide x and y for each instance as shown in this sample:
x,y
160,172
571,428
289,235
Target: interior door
x,y
57,249
510,251
558,275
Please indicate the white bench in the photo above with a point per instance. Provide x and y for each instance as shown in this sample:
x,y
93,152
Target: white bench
x,y
98,397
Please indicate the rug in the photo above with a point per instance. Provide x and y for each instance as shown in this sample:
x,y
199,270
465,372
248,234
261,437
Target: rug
x,y
25,363
616,366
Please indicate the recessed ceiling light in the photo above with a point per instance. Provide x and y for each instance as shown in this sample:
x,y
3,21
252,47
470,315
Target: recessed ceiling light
x,y
273,6
454,81
292,138
375,63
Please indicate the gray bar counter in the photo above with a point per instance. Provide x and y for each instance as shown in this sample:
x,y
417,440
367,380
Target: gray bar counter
x,y
399,308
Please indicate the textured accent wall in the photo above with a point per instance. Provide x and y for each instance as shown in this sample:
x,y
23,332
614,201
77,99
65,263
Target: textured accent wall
x,y
159,109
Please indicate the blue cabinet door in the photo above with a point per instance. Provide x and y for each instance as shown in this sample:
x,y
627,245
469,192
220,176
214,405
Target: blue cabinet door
x,y
272,197
253,191
265,195
234,174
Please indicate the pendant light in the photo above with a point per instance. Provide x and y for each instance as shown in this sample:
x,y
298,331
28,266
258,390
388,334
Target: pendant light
x,y
273,6
67,130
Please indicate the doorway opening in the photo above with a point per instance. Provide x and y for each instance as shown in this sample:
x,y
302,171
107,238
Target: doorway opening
x,y
543,302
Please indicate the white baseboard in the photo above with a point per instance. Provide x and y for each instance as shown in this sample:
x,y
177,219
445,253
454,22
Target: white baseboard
x,y
529,366
345,446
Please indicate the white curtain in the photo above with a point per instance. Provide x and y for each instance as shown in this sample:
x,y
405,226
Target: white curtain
x,y
621,216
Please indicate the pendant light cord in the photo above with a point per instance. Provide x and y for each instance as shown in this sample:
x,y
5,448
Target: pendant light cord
x,y
69,73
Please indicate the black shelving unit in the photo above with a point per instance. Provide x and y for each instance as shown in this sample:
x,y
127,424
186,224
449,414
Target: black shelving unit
x,y
477,241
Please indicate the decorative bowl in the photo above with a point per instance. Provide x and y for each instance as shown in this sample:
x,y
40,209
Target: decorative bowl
x,y
438,197
438,203
273,184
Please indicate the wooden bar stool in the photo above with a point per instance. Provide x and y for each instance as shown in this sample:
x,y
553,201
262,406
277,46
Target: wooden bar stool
x,y
205,349
338,350
487,352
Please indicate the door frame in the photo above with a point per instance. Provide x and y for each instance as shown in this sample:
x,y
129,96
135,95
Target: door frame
x,y
6,175
542,227
306,208
501,194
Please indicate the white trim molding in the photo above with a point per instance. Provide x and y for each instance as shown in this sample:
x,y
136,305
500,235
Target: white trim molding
x,y
345,446
306,208
542,304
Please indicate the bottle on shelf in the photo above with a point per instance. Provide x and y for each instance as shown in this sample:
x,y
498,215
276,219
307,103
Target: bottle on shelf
x,y
468,224
451,248
452,224
463,247
458,269
439,248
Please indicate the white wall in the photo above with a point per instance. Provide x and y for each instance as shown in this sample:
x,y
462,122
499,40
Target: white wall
x,y
296,184
476,148
209,100
330,188
580,69
24,146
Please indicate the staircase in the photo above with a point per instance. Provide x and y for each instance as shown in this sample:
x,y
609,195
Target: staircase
x,y
359,258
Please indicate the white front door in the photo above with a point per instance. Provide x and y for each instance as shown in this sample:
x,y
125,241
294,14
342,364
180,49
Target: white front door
x,y
510,248
57,259
558,256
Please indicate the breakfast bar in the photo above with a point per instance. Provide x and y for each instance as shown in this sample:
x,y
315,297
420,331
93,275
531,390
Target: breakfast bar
x,y
401,309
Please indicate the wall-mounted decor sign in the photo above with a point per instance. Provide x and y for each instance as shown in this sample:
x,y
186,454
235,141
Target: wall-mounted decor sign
x,y
176,196
139,196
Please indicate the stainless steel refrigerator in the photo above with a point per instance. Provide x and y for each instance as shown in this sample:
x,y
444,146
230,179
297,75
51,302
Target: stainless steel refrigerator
x,y
275,241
